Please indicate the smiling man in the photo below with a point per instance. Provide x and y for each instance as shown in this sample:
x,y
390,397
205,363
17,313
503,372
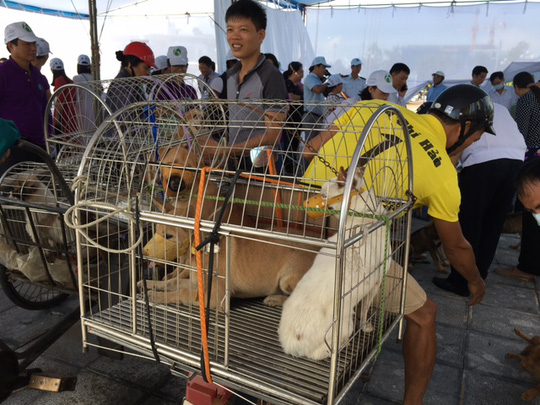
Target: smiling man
x,y
252,80
23,90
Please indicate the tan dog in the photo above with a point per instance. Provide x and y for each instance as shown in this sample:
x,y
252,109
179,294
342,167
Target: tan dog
x,y
257,268
530,361
424,240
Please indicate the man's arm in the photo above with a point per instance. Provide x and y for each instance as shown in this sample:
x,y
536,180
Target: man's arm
x,y
274,121
317,142
319,88
461,256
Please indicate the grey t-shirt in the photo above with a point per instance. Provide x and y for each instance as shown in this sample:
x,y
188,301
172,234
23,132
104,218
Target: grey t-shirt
x,y
262,90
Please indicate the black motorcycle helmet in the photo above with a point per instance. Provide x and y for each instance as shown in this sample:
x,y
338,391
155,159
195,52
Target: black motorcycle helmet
x,y
465,102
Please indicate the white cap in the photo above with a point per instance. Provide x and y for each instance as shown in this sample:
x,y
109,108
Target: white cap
x,y
319,60
19,30
356,62
177,55
56,64
382,80
334,80
230,56
84,60
42,47
438,73
161,62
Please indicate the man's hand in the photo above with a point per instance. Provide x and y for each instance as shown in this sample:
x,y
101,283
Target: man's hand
x,y
461,256
477,290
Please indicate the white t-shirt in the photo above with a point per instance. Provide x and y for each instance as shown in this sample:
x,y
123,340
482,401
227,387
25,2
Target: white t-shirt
x,y
507,144
508,98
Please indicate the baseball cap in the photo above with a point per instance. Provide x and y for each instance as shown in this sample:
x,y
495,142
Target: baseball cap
x,y
42,47
177,55
319,60
382,80
356,62
83,60
56,64
334,80
438,73
19,30
161,62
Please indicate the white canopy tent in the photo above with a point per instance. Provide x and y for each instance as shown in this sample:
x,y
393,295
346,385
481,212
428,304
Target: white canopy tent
x,y
442,36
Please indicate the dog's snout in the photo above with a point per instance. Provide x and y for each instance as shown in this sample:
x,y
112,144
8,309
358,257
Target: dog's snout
x,y
176,184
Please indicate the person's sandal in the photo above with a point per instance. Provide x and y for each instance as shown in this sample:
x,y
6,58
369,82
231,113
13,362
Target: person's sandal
x,y
514,272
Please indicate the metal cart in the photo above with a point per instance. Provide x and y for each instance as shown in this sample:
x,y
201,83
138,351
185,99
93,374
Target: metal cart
x,y
131,178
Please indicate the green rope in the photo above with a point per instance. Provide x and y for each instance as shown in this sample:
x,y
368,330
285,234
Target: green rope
x,y
383,288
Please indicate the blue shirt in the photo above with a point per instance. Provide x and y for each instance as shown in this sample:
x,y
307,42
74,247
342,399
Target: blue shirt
x,y
311,99
434,92
23,100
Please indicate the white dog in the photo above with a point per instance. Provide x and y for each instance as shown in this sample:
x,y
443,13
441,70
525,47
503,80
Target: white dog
x,y
28,188
307,317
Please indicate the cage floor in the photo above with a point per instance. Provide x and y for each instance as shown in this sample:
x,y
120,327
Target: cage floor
x,y
255,353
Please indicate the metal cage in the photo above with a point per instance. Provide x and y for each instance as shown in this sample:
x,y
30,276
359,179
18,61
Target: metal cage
x,y
182,218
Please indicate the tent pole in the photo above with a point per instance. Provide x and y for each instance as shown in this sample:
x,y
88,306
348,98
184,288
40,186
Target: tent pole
x,y
92,11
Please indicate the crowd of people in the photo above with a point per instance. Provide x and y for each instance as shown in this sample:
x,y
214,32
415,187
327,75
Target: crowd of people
x,y
456,116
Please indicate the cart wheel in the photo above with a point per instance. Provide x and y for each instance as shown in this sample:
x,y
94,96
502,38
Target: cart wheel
x,y
27,295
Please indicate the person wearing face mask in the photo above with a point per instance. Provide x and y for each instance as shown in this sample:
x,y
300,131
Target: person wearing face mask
x,y
489,167
528,192
501,94
528,121
528,188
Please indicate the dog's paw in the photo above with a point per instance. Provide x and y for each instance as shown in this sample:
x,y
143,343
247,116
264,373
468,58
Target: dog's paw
x,y
275,300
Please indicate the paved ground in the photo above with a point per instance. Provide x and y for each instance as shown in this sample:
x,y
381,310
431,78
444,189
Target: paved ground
x,y
470,368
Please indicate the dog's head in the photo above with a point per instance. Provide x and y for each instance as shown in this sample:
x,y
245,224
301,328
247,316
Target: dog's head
x,y
169,242
178,170
331,194
28,188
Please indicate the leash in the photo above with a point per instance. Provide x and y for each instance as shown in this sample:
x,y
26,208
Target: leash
x,y
213,239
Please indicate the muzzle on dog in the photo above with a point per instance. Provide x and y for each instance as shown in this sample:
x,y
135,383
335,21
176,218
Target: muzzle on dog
x,y
165,249
322,203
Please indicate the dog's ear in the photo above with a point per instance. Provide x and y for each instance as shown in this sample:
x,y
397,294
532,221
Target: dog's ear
x,y
342,176
359,172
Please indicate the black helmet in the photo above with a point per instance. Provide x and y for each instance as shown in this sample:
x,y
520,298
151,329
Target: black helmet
x,y
424,108
465,102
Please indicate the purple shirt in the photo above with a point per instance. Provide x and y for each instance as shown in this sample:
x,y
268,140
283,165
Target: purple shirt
x,y
175,91
23,100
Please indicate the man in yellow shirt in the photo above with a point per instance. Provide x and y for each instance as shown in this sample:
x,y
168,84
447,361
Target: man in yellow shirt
x,y
457,118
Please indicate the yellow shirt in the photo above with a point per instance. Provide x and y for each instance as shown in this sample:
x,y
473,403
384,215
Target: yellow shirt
x,y
435,183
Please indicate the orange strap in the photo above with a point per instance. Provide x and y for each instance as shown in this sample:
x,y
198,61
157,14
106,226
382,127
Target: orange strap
x,y
200,279
276,192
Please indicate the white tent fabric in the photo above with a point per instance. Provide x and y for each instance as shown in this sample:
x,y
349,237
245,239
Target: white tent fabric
x,y
427,39
452,39
520,66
